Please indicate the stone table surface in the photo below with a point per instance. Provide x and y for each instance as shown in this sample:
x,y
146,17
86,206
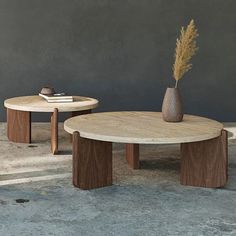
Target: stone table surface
x,y
142,128
39,104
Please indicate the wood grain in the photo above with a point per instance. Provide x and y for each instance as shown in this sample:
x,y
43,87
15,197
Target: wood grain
x,y
132,155
92,163
205,163
75,159
19,126
54,131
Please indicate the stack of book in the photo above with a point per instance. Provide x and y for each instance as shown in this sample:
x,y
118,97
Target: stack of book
x,y
57,98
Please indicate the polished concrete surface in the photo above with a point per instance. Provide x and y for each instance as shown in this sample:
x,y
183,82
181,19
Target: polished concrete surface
x,y
149,201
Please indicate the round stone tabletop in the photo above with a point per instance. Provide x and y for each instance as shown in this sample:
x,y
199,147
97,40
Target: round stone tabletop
x,y
142,128
39,104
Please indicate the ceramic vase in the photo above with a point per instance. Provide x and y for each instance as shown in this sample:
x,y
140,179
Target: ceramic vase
x,y
172,109
47,91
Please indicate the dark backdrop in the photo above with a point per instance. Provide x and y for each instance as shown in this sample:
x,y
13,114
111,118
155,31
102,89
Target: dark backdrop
x,y
119,51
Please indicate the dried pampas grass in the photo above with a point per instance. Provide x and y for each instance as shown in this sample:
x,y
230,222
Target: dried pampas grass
x,y
185,49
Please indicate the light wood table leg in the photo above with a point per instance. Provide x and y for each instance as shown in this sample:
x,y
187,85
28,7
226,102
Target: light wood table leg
x,y
54,131
92,163
132,155
19,126
205,163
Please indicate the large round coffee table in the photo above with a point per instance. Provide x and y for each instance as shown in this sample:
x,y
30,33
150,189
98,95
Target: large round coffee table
x,y
203,146
19,115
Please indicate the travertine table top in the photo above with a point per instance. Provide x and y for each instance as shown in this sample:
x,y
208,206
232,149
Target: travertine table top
x,y
142,127
39,104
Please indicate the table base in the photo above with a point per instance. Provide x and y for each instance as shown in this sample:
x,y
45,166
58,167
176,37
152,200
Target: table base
x,y
203,164
54,131
19,126
132,155
92,163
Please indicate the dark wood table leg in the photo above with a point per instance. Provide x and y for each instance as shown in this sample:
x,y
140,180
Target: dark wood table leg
x,y
205,163
132,155
19,126
92,163
54,131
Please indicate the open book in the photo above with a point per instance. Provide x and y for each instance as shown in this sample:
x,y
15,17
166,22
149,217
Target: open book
x,y
57,98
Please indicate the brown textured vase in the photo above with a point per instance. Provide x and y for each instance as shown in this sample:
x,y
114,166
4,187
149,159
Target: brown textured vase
x,y
172,109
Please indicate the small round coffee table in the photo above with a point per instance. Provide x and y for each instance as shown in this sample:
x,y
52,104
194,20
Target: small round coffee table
x,y
19,115
203,146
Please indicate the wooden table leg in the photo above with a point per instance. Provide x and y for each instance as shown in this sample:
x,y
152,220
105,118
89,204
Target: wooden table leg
x,y
92,163
132,155
205,163
54,131
19,126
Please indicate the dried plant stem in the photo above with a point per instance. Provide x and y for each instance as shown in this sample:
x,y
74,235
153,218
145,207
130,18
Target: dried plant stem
x,y
176,83
185,49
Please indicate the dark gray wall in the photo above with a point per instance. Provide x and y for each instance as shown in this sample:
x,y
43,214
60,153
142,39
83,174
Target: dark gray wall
x,y
118,51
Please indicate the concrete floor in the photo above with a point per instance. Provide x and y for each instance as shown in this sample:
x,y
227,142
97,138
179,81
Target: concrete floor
x,y
149,201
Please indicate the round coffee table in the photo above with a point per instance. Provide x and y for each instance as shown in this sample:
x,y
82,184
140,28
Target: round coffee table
x,y
19,115
203,146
